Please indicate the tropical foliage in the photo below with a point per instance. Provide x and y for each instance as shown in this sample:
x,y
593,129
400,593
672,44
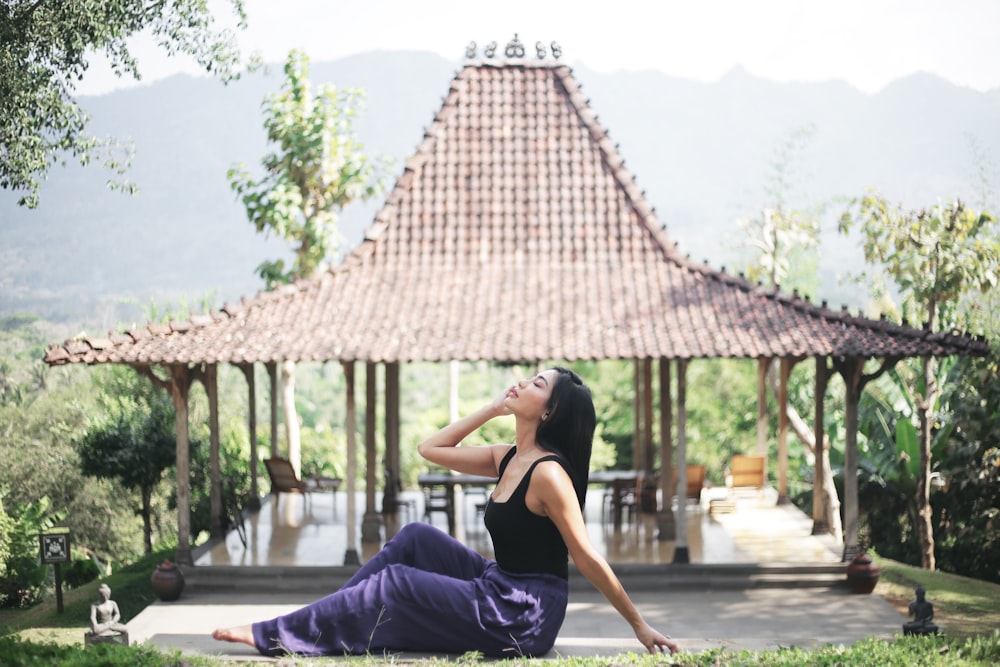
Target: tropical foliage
x,y
315,169
132,439
938,258
45,50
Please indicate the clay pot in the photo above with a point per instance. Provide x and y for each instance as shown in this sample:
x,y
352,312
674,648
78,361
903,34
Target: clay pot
x,y
862,574
168,581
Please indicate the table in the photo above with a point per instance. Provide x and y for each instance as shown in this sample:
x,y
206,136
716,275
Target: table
x,y
331,484
449,481
621,483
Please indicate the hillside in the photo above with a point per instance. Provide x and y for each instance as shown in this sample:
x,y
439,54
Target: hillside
x,y
704,153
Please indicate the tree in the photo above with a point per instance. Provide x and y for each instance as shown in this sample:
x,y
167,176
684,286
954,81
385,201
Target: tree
x,y
46,48
133,441
22,576
936,257
782,233
316,169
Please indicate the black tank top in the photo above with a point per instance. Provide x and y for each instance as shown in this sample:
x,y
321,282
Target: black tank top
x,y
523,541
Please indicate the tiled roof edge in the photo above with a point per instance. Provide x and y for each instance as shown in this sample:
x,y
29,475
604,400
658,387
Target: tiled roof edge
x,y
645,213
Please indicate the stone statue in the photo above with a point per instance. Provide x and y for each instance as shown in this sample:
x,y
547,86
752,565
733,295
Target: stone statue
x,y
922,612
105,619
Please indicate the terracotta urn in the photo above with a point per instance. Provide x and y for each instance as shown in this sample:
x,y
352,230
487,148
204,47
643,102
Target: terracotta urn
x,y
168,581
862,574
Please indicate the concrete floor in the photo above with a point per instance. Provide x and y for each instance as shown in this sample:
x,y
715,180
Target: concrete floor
x,y
711,612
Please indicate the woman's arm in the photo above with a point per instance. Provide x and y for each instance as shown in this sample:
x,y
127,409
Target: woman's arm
x,y
551,493
443,447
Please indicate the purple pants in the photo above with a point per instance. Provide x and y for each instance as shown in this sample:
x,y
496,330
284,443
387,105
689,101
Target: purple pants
x,y
425,591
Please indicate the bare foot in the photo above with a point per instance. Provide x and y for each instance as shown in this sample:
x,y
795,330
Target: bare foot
x,y
241,633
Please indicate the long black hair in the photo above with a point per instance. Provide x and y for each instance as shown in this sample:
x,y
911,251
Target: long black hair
x,y
568,430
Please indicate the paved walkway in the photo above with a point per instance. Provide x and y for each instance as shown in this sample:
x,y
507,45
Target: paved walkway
x,y
707,605
731,618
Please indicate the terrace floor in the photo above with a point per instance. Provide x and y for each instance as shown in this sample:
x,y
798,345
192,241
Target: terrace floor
x,y
296,532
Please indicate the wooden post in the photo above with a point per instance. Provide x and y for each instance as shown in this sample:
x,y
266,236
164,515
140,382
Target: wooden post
x,y
637,462
371,525
786,371
648,458
218,518
852,368
180,384
272,374
665,522
351,555
763,368
253,502
681,553
821,501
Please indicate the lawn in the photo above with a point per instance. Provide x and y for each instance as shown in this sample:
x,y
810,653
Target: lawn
x,y
968,611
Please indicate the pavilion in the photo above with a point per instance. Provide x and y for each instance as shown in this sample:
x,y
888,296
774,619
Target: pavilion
x,y
515,234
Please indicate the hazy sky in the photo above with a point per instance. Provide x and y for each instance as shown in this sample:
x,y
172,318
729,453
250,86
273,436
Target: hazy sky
x,y
865,42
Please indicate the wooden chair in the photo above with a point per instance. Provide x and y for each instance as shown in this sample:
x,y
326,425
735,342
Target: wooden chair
x,y
284,480
695,482
747,472
439,499
392,497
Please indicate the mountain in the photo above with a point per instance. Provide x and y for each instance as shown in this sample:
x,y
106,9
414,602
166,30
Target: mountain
x,y
704,153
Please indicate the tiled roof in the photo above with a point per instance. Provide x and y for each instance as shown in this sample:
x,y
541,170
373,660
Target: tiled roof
x,y
515,233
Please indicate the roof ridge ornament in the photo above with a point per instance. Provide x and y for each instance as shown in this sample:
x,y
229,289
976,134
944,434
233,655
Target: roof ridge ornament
x,y
515,49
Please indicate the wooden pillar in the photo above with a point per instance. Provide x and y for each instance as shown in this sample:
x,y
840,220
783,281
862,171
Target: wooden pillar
x,y
180,384
852,369
392,441
456,522
253,503
293,439
763,366
272,374
821,500
218,516
637,463
392,417
785,373
681,553
665,520
351,555
648,457
371,525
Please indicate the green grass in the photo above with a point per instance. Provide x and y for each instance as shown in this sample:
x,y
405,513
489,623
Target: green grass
x,y
963,607
967,609
130,588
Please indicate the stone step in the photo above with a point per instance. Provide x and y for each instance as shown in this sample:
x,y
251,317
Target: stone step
x,y
322,580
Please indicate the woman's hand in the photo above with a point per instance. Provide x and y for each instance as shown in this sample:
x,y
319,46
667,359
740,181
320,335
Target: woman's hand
x,y
499,405
654,641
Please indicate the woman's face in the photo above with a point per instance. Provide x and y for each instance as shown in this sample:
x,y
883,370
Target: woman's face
x,y
529,397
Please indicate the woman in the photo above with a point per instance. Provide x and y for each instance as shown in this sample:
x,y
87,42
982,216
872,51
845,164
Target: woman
x,y
425,591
